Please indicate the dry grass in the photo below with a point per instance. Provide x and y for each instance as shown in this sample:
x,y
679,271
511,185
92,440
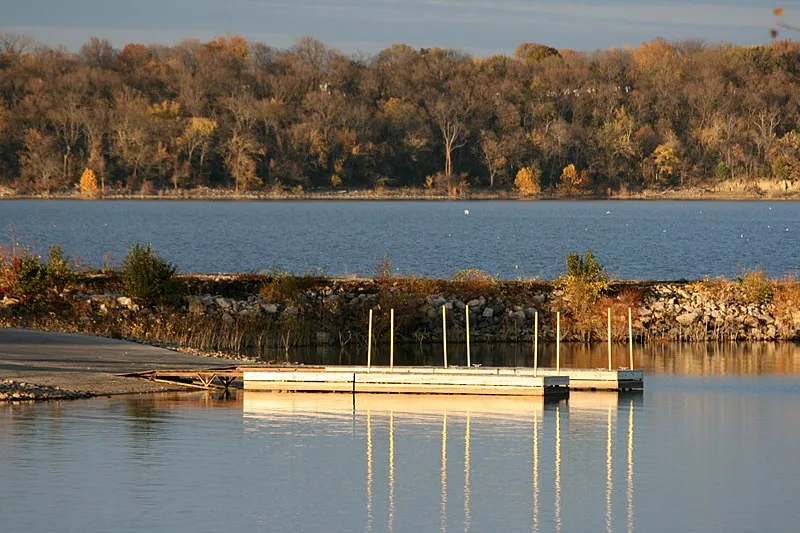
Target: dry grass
x,y
754,287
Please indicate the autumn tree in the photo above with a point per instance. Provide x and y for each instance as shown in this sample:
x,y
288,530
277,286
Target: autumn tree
x,y
196,139
573,181
88,184
40,166
667,159
532,53
785,156
131,142
528,181
240,152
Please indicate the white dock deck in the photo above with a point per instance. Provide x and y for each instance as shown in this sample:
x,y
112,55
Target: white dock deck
x,y
411,380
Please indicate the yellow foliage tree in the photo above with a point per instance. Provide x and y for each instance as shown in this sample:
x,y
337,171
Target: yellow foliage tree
x,y
528,181
666,156
88,184
573,181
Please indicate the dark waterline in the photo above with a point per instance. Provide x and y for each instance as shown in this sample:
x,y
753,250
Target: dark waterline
x,y
633,239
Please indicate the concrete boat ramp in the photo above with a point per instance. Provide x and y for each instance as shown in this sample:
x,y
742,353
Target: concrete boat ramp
x,y
410,380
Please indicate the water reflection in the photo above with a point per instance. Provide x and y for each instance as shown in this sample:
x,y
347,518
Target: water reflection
x,y
681,457
700,359
411,422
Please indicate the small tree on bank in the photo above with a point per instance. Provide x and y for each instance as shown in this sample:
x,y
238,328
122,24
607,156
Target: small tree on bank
x,y
528,181
583,283
88,184
148,278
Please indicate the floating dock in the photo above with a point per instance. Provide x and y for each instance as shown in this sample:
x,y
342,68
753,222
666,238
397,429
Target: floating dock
x,y
501,381
409,380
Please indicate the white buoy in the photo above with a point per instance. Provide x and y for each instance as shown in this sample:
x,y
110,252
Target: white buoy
x,y
466,211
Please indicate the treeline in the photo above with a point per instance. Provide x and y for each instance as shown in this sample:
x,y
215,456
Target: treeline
x,y
246,116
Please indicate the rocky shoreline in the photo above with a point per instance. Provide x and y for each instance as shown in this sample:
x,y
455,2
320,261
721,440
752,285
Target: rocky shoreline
x,y
12,390
243,317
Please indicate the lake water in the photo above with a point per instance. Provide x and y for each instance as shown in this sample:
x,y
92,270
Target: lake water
x,y
633,239
711,445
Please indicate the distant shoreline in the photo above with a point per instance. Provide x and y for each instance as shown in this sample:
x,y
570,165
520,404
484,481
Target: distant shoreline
x,y
406,195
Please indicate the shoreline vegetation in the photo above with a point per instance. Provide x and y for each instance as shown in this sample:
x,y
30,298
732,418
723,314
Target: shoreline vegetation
x,y
771,190
233,118
259,315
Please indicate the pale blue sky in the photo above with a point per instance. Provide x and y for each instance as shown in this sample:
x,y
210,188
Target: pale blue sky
x,y
479,27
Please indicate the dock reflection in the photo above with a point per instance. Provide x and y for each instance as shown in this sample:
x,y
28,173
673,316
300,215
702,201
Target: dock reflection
x,y
554,433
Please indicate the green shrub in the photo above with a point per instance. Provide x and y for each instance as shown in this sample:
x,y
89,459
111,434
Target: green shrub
x,y
756,287
586,269
22,275
583,284
32,280
147,278
60,268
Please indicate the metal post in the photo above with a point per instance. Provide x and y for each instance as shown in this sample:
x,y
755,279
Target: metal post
x,y
444,334
391,341
609,339
369,342
535,342
558,342
630,337
466,312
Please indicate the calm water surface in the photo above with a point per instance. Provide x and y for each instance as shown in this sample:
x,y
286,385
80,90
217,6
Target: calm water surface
x,y
709,446
634,240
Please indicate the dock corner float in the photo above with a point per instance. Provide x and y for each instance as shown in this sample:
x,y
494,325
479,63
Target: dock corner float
x,y
599,379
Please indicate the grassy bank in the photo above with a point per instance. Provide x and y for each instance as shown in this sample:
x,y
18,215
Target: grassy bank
x,y
252,315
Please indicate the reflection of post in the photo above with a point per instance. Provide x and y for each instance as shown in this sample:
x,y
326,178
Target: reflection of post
x,y
467,514
609,476
369,472
630,467
557,483
443,523
535,473
391,471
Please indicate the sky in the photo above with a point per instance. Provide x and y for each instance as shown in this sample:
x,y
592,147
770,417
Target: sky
x,y
479,27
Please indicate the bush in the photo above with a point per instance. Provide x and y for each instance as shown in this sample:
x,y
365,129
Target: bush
x,y
583,284
148,278
528,181
284,287
30,281
756,287
586,269
60,269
